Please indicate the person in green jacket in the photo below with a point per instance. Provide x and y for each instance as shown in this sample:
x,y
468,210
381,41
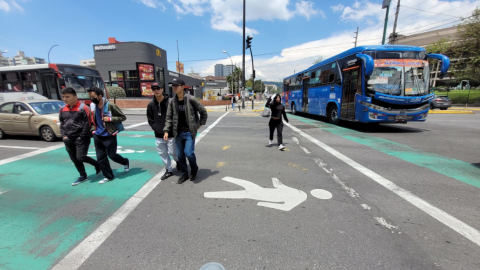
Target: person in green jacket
x,y
104,130
182,121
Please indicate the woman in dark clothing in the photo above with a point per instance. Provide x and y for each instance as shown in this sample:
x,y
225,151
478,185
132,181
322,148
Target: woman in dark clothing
x,y
276,119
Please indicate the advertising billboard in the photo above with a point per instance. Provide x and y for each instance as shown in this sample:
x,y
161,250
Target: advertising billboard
x,y
146,72
146,88
179,67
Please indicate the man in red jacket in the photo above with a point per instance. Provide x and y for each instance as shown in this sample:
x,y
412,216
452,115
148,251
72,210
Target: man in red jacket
x,y
75,122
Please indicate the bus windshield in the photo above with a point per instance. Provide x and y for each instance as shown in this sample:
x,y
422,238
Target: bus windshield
x,y
82,83
406,77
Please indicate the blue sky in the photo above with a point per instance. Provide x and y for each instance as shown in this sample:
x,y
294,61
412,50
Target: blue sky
x,y
287,34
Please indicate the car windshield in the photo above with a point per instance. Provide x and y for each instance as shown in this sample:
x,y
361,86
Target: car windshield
x,y
399,78
82,83
47,107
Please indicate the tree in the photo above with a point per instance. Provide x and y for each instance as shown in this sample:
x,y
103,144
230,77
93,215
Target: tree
x,y
467,49
442,46
317,60
230,81
115,92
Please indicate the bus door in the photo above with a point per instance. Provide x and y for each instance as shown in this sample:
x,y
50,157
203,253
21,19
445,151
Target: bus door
x,y
351,80
49,80
306,83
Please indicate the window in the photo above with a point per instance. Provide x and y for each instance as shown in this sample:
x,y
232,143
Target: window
x,y
19,107
315,79
11,77
116,76
6,108
130,75
331,78
30,76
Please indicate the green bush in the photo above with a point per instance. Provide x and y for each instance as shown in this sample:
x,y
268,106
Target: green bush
x,y
115,92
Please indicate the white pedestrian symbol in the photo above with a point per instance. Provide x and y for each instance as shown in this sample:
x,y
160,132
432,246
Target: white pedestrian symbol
x,y
280,197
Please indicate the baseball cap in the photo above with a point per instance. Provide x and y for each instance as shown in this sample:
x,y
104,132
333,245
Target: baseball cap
x,y
177,81
155,85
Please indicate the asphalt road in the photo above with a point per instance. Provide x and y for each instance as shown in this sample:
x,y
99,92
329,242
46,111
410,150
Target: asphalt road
x,y
359,197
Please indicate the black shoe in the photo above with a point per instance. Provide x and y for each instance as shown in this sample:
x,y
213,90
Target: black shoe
x,y
182,179
178,166
193,174
166,175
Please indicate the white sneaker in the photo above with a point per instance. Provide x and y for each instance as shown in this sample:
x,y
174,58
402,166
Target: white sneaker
x,y
281,147
270,142
105,180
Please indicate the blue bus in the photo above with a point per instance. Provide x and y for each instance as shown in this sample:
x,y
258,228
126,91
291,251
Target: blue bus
x,y
370,84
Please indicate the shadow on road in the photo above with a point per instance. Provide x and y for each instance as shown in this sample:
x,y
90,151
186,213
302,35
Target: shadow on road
x,y
368,127
204,174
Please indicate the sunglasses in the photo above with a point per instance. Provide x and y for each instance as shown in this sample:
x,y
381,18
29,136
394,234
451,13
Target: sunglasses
x,y
155,89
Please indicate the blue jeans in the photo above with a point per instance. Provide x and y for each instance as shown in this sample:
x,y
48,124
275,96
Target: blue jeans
x,y
233,105
186,148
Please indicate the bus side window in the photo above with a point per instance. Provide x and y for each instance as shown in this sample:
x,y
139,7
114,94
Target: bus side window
x,y
331,78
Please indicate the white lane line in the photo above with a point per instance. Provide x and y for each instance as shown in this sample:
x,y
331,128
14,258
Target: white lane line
x,y
295,140
136,125
384,223
18,147
80,253
459,226
4,191
47,149
366,207
335,178
305,150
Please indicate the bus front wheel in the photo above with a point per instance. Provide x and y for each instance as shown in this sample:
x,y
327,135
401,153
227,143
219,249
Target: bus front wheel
x,y
333,115
294,109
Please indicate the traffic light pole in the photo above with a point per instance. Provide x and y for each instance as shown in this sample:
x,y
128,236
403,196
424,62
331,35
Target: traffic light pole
x,y
243,60
253,75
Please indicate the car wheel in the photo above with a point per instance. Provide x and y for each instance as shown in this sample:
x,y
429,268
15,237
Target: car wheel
x,y
333,115
2,134
47,134
443,109
294,108
431,106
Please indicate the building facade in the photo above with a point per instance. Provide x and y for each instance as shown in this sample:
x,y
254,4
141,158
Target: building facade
x,y
223,70
21,59
134,66
87,62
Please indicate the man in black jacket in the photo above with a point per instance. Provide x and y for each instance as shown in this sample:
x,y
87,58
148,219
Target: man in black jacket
x,y
75,122
156,113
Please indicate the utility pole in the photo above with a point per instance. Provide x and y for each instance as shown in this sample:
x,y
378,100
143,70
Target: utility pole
x,y
394,34
356,37
243,60
386,4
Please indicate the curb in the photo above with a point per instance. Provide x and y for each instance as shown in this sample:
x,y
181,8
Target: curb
x,y
451,112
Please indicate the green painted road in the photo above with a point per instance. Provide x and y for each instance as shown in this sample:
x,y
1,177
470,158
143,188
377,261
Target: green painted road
x,y
456,169
42,216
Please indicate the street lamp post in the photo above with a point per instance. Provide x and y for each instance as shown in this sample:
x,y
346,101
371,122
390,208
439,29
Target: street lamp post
x,y
294,66
232,65
49,53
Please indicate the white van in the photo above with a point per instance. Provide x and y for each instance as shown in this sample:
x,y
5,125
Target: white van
x,y
19,96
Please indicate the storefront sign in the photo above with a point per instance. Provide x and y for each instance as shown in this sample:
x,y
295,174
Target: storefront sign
x,y
400,63
146,72
105,48
146,89
173,74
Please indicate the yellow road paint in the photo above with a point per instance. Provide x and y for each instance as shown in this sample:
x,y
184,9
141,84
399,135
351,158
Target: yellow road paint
x,y
451,112
296,166
226,147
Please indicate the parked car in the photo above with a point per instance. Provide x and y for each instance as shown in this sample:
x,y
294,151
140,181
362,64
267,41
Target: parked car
x,y
31,117
441,102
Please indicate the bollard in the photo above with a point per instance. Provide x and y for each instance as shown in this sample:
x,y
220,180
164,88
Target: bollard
x,y
226,108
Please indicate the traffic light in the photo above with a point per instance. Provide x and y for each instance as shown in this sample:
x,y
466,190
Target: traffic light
x,y
249,41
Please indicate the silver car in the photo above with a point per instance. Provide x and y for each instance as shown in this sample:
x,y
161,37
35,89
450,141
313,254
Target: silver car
x,y
32,117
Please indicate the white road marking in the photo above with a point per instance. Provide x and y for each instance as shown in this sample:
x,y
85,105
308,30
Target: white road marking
x,y
80,253
295,139
4,191
366,207
19,147
321,194
335,178
455,224
290,197
47,149
384,223
305,150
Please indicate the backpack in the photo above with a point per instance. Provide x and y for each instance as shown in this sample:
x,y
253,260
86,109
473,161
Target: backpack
x,y
105,112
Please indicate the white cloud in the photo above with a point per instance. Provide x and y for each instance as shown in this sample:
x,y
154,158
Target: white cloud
x,y
153,3
337,8
17,6
306,9
4,6
227,15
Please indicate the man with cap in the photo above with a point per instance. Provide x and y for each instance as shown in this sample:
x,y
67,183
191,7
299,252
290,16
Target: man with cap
x,y
182,121
156,113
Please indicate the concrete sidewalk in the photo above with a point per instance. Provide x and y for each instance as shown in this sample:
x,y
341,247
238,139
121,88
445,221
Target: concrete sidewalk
x,y
258,107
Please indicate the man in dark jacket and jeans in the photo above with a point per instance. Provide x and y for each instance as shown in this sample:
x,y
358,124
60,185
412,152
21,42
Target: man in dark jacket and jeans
x,y
75,128
182,120
105,132
156,114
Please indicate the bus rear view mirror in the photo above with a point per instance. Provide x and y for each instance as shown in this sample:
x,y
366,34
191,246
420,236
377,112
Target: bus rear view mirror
x,y
445,63
61,82
368,63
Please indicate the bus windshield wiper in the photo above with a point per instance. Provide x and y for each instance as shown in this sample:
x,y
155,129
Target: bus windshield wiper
x,y
393,85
